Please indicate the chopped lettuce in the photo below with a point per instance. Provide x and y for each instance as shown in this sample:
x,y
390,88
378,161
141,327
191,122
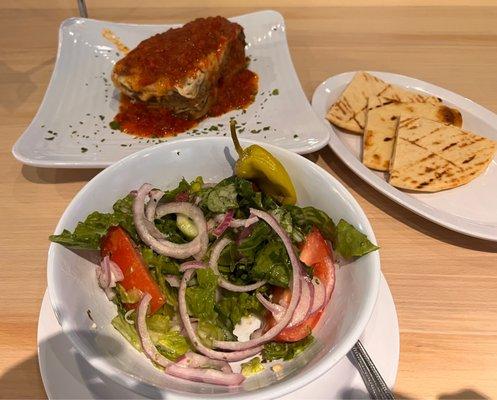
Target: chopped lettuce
x,y
168,227
273,265
233,306
252,367
232,193
284,217
170,195
285,351
127,297
222,198
248,247
349,242
127,330
88,233
201,299
164,264
307,217
209,330
172,344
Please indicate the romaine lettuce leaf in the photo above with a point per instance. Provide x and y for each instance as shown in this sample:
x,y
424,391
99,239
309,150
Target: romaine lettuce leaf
x,y
285,351
307,217
164,264
88,233
201,299
273,265
127,330
233,306
172,345
349,242
252,367
209,330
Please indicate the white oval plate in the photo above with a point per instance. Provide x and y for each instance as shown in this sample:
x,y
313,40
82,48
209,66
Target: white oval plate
x,y
469,209
81,101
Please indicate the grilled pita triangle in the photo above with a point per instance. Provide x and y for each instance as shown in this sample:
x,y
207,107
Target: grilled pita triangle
x,y
379,133
349,111
430,156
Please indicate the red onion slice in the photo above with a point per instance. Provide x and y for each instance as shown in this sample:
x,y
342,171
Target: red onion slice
x,y
304,306
116,273
197,246
243,223
191,264
273,308
154,196
205,375
216,252
194,339
285,319
224,224
318,301
141,325
194,360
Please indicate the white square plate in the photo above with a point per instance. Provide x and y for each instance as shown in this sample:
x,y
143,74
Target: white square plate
x,y
468,209
71,128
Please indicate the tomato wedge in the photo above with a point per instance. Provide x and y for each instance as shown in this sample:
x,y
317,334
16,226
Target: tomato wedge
x,y
317,254
315,248
122,250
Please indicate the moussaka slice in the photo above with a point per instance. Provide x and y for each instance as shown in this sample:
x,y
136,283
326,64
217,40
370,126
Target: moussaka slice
x,y
181,68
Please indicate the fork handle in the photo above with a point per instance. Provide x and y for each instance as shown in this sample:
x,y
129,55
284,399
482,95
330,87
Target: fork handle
x,y
374,382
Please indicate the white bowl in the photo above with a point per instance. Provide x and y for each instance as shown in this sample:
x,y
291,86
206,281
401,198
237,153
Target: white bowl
x,y
74,290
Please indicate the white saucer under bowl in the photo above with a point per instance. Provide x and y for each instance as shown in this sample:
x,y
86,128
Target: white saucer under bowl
x,y
67,375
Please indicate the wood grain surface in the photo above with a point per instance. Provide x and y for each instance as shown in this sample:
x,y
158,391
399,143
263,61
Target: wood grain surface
x,y
444,284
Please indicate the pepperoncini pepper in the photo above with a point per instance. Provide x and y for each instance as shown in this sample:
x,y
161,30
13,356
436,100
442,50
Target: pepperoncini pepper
x,y
260,166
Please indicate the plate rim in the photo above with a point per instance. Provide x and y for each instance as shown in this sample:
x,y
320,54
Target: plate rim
x,y
453,222
80,164
271,391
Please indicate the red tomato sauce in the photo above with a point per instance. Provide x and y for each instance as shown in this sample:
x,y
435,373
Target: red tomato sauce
x,y
235,92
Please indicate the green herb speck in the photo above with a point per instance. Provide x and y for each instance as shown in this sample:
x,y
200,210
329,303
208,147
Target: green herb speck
x,y
84,149
275,92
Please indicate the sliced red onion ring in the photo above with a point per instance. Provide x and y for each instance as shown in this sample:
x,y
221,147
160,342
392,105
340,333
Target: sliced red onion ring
x,y
238,223
205,375
154,196
108,273
224,224
194,339
304,306
179,251
103,273
197,216
141,325
285,319
273,308
191,265
243,223
216,252
173,280
318,301
194,360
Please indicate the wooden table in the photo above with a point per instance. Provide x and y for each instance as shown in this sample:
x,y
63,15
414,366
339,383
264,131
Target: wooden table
x,y
444,284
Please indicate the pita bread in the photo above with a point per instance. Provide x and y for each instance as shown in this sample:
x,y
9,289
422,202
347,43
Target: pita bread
x,y
349,111
379,133
430,156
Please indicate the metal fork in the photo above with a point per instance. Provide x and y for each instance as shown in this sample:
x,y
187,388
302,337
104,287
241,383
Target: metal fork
x,y
83,12
375,384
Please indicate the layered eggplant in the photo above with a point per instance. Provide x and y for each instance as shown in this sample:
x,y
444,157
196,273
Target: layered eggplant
x,y
183,68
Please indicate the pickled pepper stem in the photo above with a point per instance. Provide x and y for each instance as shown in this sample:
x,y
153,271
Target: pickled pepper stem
x,y
238,147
